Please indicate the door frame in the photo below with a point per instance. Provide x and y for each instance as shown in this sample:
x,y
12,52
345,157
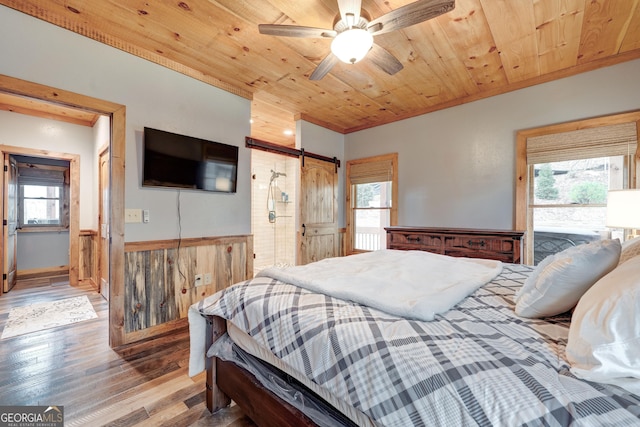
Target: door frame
x,y
102,151
117,145
74,200
9,179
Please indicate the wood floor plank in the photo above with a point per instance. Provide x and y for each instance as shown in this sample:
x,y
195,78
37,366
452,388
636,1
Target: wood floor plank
x,y
167,413
141,384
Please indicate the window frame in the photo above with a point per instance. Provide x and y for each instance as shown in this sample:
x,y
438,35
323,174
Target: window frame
x,y
63,198
523,216
392,160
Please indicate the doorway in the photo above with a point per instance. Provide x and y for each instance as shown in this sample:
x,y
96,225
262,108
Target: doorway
x,y
273,209
50,163
42,239
58,98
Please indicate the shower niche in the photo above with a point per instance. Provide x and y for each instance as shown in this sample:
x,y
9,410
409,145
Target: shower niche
x,y
273,209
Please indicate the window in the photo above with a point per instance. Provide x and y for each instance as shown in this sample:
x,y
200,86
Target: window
x,y
43,196
372,201
569,201
569,169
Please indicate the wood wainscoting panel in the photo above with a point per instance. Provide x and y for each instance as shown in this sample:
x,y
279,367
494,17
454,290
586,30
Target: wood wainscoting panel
x,y
160,278
88,251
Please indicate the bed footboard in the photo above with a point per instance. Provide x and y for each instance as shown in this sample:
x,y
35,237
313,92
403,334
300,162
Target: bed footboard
x,y
216,398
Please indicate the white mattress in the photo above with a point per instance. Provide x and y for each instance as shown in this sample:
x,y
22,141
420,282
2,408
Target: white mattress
x,y
251,346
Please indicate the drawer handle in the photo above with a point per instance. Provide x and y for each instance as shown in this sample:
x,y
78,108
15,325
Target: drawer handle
x,y
413,239
480,243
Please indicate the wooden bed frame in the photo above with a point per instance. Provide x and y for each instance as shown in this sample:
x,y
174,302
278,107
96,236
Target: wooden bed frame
x,y
227,381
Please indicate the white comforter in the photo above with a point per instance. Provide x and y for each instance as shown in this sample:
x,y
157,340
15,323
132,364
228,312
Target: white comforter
x,y
411,284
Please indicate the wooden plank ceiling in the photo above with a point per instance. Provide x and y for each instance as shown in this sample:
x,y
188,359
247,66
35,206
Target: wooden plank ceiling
x,y
480,49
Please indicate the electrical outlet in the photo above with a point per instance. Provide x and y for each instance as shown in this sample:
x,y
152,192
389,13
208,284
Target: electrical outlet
x,y
199,281
207,278
132,215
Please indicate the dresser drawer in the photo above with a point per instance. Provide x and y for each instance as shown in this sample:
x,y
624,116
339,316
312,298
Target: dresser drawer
x,y
502,245
476,243
417,241
479,253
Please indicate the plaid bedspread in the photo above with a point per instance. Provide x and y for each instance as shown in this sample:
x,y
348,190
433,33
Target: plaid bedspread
x,y
478,364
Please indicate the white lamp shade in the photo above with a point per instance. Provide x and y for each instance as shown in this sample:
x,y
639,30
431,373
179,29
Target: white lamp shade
x,y
351,46
623,209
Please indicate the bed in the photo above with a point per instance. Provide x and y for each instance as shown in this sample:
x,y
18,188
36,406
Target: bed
x,y
291,355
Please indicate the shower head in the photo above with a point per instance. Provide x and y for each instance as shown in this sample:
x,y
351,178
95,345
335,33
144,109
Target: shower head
x,y
275,174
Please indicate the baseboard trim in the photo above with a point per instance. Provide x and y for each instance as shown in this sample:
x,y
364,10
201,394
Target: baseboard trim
x,y
35,273
157,330
89,281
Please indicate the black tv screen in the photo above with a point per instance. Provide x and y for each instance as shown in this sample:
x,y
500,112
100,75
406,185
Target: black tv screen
x,y
172,160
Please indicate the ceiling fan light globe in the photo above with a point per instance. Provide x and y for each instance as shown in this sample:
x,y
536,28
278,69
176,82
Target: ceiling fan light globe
x,y
352,45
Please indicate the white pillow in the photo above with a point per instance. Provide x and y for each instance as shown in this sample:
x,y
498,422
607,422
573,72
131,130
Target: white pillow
x,y
630,249
559,281
604,336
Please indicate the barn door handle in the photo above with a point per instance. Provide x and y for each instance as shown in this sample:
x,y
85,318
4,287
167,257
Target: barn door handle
x,y
304,229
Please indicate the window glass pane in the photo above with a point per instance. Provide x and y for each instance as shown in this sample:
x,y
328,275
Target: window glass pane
x,y
41,191
577,182
373,195
584,181
369,229
41,205
41,211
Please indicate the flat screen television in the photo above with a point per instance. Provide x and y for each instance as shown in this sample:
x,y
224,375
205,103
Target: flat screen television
x,y
179,161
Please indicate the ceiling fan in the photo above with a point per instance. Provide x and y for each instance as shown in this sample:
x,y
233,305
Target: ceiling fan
x,y
353,32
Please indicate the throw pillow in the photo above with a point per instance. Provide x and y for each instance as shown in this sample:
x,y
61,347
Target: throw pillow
x,y
630,249
604,336
559,281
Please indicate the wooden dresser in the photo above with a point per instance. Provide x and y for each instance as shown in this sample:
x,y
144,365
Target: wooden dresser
x,y
502,245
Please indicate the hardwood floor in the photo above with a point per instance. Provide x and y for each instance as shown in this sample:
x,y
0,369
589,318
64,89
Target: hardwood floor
x,y
144,384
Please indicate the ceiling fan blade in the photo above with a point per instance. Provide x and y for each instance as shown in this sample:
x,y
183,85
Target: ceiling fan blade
x,y
410,14
324,67
350,7
384,59
295,31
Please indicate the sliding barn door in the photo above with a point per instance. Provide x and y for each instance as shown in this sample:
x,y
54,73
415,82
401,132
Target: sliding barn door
x,y
318,236
10,223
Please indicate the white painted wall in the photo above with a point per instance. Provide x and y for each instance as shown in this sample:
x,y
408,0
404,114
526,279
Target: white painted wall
x,y
457,166
50,249
154,96
42,250
318,140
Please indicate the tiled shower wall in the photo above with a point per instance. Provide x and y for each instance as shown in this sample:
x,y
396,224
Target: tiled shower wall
x,y
273,242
